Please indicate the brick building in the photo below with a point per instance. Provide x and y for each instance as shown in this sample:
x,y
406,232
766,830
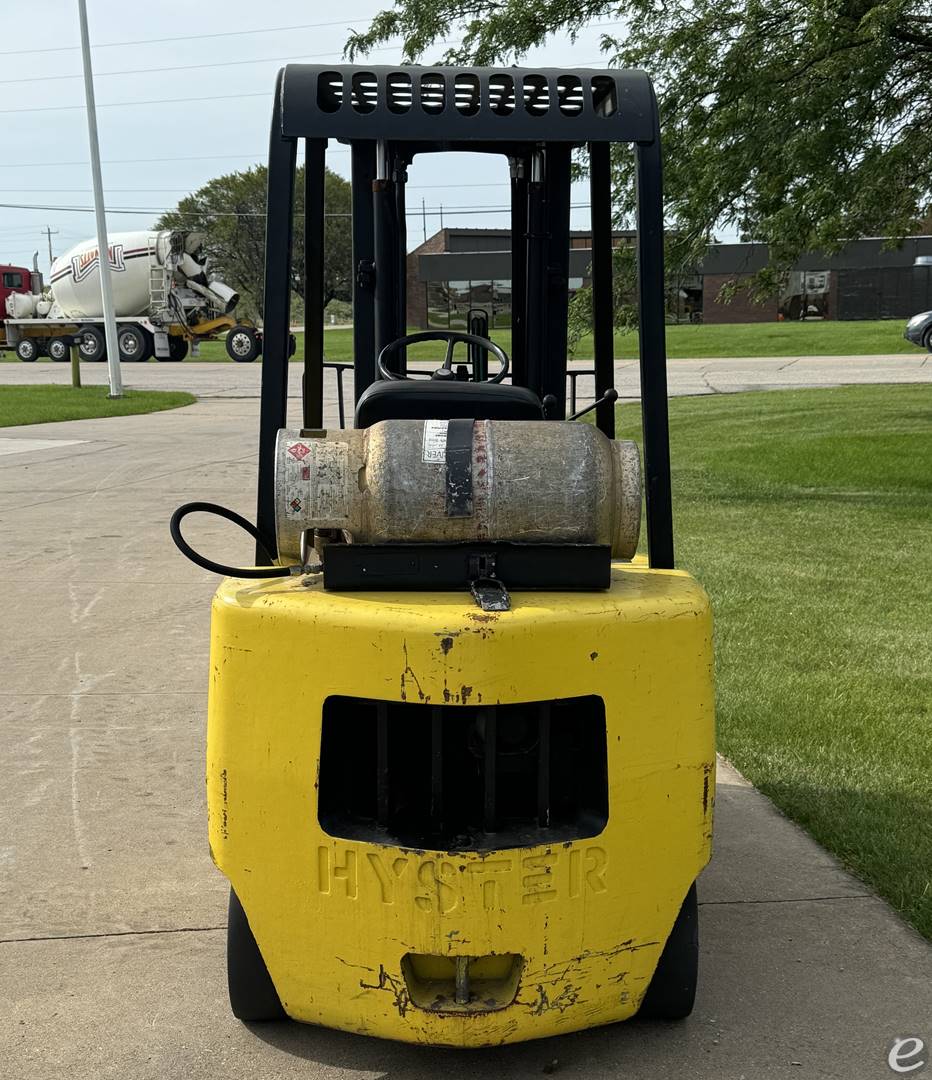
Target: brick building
x,y
459,269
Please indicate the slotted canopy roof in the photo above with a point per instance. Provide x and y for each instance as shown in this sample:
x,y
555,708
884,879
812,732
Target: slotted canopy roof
x,y
467,104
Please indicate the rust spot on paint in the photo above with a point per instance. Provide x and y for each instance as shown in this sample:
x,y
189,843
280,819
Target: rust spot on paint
x,y
706,778
393,985
465,693
406,674
446,644
223,812
593,656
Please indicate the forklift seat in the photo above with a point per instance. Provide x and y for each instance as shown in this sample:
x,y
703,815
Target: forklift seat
x,y
433,399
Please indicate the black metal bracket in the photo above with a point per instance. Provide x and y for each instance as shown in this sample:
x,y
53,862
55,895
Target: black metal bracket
x,y
488,592
490,569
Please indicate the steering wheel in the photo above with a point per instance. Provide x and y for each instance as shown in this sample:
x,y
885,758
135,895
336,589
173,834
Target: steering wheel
x,y
451,337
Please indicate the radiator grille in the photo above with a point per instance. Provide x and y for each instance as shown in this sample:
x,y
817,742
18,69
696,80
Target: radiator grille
x,y
463,777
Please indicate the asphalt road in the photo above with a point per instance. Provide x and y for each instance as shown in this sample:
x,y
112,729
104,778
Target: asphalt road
x,y
111,913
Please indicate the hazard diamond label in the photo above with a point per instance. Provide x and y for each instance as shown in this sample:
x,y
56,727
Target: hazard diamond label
x,y
299,451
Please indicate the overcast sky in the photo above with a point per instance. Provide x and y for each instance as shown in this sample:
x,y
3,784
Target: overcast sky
x,y
154,150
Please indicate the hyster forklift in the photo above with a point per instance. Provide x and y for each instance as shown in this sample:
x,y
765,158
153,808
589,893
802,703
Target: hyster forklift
x,y
460,760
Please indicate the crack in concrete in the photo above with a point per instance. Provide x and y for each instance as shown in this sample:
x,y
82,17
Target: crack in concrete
x,y
789,900
114,934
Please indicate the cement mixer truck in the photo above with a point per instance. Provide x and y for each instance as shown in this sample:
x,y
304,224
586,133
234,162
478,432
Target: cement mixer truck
x,y
164,301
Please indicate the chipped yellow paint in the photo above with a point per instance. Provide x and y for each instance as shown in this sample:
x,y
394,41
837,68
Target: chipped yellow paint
x,y
334,918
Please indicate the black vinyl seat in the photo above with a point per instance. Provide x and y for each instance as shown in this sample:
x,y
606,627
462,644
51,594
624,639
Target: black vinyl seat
x,y
433,399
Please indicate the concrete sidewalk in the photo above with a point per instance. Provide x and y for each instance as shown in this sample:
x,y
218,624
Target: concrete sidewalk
x,y
707,376
112,951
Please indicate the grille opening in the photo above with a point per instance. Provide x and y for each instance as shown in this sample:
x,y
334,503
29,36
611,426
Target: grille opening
x,y
400,92
329,91
536,95
466,94
502,94
463,777
604,95
433,92
570,95
365,94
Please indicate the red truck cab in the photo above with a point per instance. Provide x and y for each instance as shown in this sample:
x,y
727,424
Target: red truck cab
x,y
12,279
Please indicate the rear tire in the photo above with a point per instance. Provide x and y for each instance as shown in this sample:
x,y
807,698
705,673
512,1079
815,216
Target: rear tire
x,y
134,343
177,348
672,990
927,339
59,350
27,350
242,344
252,993
92,344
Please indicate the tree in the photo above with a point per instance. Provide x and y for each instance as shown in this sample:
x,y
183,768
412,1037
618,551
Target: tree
x,y
230,212
796,123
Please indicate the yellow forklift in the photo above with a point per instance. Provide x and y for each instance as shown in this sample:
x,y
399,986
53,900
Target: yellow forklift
x,y
460,753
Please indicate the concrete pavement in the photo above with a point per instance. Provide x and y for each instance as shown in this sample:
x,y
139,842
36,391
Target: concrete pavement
x,y
707,376
111,937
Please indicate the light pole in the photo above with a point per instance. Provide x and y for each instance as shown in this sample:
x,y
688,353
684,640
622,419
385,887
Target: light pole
x,y
103,248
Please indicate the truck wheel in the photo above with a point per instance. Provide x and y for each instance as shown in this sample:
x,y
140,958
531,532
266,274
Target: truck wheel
x,y
672,990
177,348
133,343
243,344
59,349
252,993
27,350
92,344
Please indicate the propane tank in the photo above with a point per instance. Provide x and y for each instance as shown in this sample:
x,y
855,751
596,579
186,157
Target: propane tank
x,y
521,481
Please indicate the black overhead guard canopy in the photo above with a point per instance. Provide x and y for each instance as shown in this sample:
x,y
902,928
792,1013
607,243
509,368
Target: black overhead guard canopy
x,y
535,118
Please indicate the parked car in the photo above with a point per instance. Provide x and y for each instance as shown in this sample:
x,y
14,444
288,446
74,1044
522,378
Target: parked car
x,y
919,330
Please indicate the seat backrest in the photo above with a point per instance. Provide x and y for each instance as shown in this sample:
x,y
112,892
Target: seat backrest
x,y
433,399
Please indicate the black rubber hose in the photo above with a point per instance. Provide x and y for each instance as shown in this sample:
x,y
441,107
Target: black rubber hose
x,y
219,568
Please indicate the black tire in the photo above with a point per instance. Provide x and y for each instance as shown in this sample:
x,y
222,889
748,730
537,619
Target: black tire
x,y
92,344
177,348
672,990
59,349
927,339
27,350
134,343
252,993
242,344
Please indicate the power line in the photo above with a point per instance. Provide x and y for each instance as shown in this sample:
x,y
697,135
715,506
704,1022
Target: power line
x,y
260,155
124,104
190,67
188,37
252,214
229,33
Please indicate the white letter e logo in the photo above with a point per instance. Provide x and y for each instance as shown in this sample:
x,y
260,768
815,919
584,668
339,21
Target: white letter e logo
x,y
901,1051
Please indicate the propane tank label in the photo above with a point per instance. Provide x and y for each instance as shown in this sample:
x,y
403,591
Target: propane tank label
x,y
315,480
329,481
435,442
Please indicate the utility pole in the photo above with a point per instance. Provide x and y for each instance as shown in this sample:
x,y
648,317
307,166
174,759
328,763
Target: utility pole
x,y
103,247
50,232
424,218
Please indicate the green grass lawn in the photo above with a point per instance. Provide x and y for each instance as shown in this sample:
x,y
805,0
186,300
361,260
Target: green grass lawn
x,y
760,339
808,517
42,404
746,339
